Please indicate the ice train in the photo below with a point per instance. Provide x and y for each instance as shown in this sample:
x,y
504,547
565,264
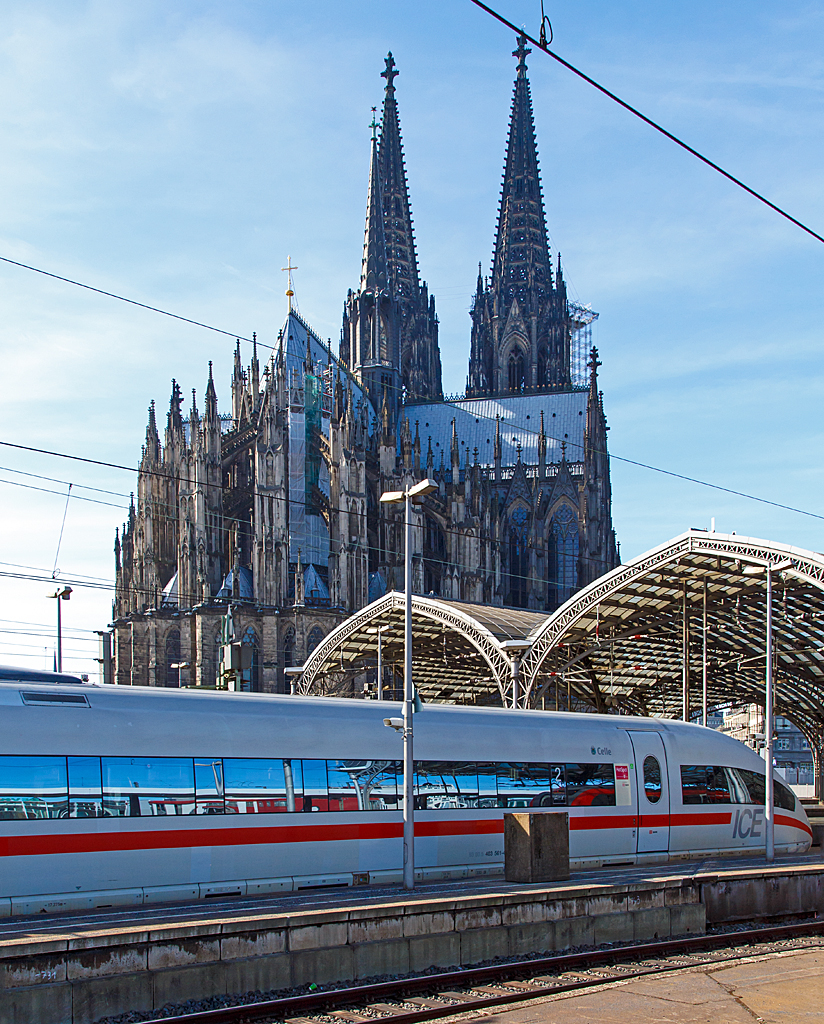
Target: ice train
x,y
121,795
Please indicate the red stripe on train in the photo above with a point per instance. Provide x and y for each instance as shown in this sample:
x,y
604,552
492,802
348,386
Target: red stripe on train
x,y
782,819
100,842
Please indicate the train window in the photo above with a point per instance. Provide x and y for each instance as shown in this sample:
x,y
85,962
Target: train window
x,y
362,785
487,784
33,787
783,797
590,785
704,784
262,785
442,785
754,782
147,786
531,785
315,792
85,788
208,785
652,779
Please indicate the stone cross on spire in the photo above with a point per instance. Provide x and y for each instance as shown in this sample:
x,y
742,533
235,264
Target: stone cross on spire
x,y
390,73
520,53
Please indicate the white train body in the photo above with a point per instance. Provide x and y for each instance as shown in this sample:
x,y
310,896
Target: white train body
x,y
115,795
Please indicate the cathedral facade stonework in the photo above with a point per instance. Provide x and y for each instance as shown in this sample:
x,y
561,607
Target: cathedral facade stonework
x,y
272,511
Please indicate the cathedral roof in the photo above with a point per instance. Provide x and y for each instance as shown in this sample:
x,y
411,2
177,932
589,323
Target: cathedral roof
x,y
520,417
294,336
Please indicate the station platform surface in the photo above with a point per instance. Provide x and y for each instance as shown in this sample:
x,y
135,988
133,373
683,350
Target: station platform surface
x,y
72,925
786,988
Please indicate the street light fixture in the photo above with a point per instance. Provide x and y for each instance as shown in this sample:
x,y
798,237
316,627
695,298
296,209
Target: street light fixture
x,y
514,650
61,594
416,492
769,796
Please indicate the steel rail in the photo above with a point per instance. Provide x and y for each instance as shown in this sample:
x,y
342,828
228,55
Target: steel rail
x,y
364,995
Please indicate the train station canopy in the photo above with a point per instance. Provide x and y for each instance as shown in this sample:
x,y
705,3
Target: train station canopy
x,y
641,639
462,652
638,638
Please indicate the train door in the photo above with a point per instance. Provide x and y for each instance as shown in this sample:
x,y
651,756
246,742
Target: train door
x,y
653,792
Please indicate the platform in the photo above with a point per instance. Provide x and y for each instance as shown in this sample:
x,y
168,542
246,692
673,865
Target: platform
x,y
77,968
786,990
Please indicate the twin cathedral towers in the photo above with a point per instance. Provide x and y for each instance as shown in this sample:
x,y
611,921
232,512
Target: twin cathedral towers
x,y
272,508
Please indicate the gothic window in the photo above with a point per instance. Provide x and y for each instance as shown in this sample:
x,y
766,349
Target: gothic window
x,y
518,557
516,370
289,648
249,661
563,564
313,640
172,658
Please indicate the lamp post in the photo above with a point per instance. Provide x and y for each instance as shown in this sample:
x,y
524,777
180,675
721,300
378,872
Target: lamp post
x,y
769,793
61,594
416,492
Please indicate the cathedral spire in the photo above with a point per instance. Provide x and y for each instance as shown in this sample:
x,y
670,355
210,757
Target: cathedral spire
x,y
400,238
373,268
522,270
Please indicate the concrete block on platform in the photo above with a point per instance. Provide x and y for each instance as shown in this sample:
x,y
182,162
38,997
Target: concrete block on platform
x,y
538,937
105,997
434,951
323,965
536,846
241,945
182,952
378,958
651,924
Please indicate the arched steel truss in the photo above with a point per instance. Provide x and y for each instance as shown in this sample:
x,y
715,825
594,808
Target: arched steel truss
x,y
628,640
460,652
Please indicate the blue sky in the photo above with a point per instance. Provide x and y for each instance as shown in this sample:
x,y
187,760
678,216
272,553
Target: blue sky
x,y
178,152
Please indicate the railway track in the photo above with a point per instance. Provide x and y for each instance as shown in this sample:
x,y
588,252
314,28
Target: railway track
x,y
428,997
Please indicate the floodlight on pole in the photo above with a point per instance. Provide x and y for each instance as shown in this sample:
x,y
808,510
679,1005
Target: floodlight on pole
x,y
61,594
413,493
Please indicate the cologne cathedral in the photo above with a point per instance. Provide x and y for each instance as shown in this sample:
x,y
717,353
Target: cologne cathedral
x,y
267,517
